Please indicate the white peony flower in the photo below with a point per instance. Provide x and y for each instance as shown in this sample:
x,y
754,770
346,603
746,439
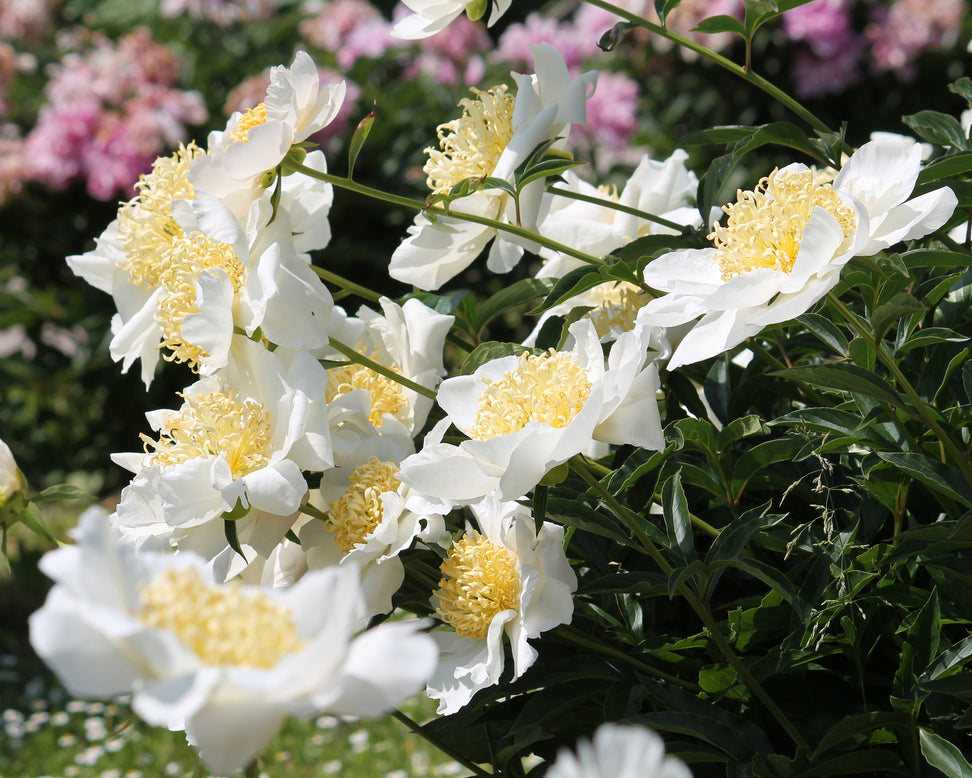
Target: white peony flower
x,y
183,271
785,244
502,579
370,520
227,664
409,340
493,137
661,188
242,439
526,415
432,16
256,142
619,752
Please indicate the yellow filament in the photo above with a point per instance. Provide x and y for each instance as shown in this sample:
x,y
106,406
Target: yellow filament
x,y
358,511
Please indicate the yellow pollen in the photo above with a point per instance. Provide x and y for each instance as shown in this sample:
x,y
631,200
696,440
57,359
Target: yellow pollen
x,y
222,625
550,388
616,305
184,261
210,425
252,118
470,146
359,510
387,396
765,226
480,580
145,223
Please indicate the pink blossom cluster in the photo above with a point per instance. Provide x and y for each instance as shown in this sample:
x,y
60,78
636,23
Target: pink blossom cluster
x,y
835,53
26,21
222,12
899,34
111,111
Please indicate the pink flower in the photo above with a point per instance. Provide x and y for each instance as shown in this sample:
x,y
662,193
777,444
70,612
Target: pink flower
x,y
452,56
574,46
899,35
222,12
26,21
350,29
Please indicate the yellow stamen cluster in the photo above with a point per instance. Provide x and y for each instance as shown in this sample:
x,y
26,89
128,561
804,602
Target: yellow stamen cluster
x,y
222,625
387,396
616,305
252,118
765,226
480,580
145,223
550,388
210,425
359,510
470,146
183,262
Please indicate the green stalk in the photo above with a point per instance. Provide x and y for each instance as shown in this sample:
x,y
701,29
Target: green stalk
x,y
744,73
388,373
418,729
633,523
616,207
346,284
919,405
409,202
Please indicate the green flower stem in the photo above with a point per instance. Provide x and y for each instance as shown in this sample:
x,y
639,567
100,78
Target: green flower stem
x,y
617,207
388,373
347,285
418,729
252,770
920,407
634,524
578,638
418,205
745,74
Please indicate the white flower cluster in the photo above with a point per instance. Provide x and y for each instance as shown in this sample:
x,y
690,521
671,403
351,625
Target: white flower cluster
x,y
224,592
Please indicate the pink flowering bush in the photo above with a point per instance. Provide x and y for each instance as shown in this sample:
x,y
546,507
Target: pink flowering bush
x,y
111,109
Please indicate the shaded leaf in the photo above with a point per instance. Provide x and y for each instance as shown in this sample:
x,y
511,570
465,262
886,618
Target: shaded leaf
x,y
939,128
516,295
359,137
935,475
943,755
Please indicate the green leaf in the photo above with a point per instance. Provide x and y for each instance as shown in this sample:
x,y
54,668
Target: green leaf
x,y
737,429
936,475
576,282
678,523
493,349
575,514
962,87
545,169
828,332
929,337
948,659
758,13
359,137
887,315
858,726
848,378
769,575
721,23
510,297
761,456
939,128
943,755
665,7
935,258
62,492
946,167
31,518
920,645
874,761
733,538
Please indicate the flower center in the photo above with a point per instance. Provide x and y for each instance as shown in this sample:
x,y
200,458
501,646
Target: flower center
x,y
359,510
223,625
470,146
387,396
480,581
550,388
183,262
210,425
145,223
765,226
616,306
252,118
